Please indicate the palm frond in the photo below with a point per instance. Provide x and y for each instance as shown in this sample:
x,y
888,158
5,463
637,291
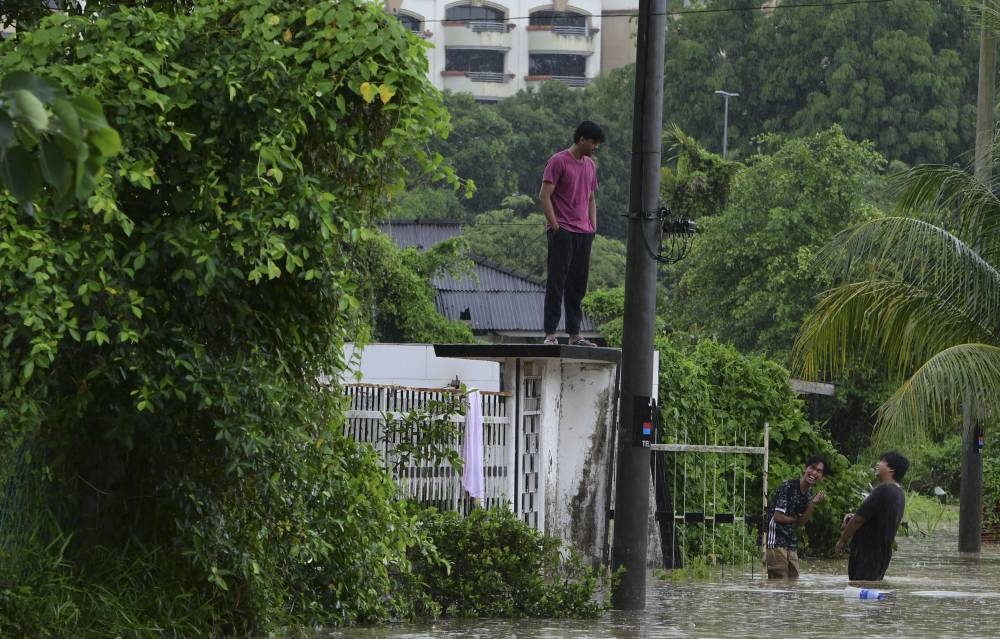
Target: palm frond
x,y
955,197
926,257
929,400
888,322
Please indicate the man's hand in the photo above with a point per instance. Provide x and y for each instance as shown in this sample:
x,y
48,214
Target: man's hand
x,y
818,497
839,548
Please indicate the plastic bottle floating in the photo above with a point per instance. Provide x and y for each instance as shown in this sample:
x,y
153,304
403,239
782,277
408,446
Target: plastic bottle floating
x,y
851,592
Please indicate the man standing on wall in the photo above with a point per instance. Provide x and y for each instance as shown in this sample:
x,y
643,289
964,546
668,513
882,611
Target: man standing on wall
x,y
567,200
792,506
873,527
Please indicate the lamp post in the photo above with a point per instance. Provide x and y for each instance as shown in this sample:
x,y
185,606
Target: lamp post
x,y
725,120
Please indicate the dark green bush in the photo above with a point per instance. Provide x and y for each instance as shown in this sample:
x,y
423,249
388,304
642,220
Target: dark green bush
x,y
936,464
496,566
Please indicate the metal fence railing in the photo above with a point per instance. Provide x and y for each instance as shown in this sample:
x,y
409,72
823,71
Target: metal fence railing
x,y
436,485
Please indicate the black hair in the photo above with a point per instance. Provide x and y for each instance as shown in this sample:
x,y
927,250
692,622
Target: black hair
x,y
588,131
897,463
818,459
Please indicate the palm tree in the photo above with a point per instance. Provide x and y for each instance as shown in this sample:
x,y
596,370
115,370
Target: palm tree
x,y
924,301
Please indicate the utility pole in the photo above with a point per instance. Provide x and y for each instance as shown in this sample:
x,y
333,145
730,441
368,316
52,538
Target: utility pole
x,y
725,120
631,516
970,499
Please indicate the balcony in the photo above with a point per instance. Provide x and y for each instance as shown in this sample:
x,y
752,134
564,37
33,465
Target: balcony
x,y
478,34
568,80
561,39
484,85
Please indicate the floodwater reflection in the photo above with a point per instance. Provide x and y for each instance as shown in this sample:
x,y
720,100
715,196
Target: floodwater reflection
x,y
934,592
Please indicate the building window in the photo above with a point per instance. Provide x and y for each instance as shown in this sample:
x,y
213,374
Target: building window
x,y
558,19
559,64
412,23
470,12
473,60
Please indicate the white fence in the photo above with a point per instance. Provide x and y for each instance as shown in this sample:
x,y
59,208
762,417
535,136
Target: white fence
x,y
436,485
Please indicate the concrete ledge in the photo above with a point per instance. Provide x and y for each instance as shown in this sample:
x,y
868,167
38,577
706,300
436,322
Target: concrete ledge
x,y
530,351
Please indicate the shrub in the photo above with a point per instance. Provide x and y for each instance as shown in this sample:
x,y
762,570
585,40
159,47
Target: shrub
x,y
496,566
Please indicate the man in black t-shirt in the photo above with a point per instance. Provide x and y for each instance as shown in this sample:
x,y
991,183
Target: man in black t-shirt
x,y
872,529
792,506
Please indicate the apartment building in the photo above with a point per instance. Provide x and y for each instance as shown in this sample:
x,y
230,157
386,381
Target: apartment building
x,y
493,49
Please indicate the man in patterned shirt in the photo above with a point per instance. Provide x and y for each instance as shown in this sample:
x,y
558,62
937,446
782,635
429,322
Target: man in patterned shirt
x,y
792,506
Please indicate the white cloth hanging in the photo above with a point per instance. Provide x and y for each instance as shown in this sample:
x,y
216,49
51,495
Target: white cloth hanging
x,y
472,448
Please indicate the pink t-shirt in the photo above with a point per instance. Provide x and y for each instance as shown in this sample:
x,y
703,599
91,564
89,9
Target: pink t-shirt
x,y
574,181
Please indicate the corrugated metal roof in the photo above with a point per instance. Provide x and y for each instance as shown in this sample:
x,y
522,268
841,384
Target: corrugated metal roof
x,y
488,277
423,235
501,300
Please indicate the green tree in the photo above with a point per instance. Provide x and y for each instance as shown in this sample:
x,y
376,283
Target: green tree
x,y
749,277
50,141
896,74
428,203
917,299
920,301
711,393
478,147
697,186
520,244
399,291
162,344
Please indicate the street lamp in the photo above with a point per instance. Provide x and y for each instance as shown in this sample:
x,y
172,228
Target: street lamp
x,y
725,120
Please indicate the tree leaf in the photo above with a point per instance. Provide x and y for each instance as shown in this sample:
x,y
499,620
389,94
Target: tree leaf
x,y
55,169
368,91
24,81
31,109
106,140
20,174
385,92
6,131
69,121
90,112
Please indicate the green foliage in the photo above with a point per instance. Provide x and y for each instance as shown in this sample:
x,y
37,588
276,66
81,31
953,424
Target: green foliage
x,y
519,243
991,491
712,394
427,434
606,307
165,340
936,464
915,299
398,286
510,240
50,141
924,514
428,203
496,566
698,184
783,207
897,75
478,148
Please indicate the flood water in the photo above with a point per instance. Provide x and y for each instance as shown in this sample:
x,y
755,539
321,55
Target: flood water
x,y
934,592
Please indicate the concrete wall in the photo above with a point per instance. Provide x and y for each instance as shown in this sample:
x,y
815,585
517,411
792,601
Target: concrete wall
x,y
576,446
577,495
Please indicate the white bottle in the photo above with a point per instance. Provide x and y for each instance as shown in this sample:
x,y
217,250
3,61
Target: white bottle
x,y
851,592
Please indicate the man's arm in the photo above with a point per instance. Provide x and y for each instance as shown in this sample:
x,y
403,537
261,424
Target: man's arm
x,y
782,518
592,211
854,523
807,514
545,200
